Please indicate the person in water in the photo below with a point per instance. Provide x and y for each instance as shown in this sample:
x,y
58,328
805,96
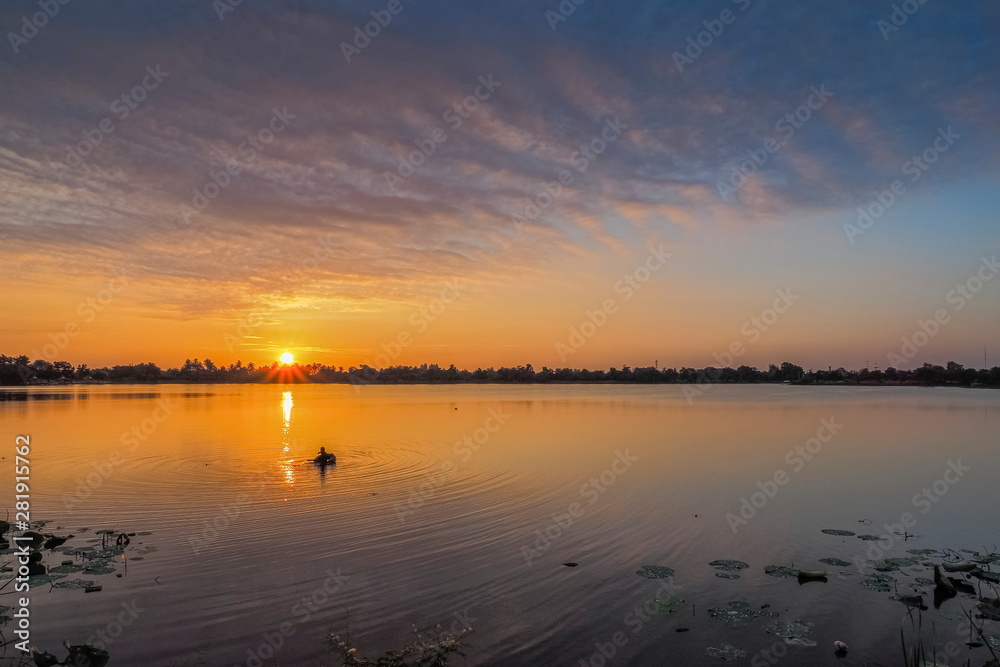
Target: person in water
x,y
324,457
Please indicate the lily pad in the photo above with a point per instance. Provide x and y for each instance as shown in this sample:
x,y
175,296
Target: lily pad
x,y
727,652
736,615
834,531
835,562
795,633
880,583
727,575
73,583
655,572
780,571
668,602
924,581
868,538
921,552
993,641
893,564
729,565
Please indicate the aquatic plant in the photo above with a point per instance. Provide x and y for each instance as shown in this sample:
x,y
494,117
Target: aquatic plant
x,y
420,652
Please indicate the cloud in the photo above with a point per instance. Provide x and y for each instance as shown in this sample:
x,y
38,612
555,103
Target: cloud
x,y
324,176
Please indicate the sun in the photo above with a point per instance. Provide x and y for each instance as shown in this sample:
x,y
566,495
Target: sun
x,y
287,358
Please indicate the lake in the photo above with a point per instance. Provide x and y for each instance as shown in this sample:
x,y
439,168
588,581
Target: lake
x,y
460,505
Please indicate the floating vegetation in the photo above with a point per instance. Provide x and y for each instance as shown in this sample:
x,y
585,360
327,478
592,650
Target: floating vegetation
x,y
893,564
795,633
993,641
880,583
727,652
668,602
835,562
841,533
921,552
727,575
738,614
729,565
73,583
655,572
780,571
924,581
868,538
65,568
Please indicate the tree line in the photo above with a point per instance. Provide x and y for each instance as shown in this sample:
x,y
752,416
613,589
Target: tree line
x,y
20,371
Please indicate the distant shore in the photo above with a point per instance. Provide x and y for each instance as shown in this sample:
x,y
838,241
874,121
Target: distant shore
x,y
20,371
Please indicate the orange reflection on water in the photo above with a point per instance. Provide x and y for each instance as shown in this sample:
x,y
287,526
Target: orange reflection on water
x,y
287,464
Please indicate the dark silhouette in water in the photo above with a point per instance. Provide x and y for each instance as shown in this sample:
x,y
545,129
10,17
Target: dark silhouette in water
x,y
324,458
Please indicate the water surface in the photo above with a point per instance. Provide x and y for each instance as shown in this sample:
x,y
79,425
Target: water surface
x,y
459,505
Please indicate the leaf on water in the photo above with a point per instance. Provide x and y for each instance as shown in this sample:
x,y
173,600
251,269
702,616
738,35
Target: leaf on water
x,y
727,575
868,538
73,583
727,652
795,633
880,583
892,564
993,641
655,572
729,565
737,614
780,571
921,552
835,562
668,602
833,531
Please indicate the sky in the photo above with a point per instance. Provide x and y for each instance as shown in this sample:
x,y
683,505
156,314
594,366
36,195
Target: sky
x,y
582,184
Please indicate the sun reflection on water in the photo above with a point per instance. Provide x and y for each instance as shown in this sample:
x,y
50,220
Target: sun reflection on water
x,y
287,463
